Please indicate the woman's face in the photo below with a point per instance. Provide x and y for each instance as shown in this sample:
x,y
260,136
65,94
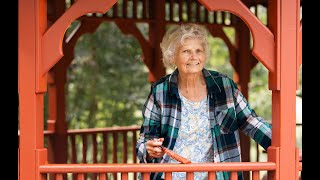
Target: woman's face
x,y
190,57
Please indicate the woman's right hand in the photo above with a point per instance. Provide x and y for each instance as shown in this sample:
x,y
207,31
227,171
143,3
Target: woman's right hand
x,y
153,148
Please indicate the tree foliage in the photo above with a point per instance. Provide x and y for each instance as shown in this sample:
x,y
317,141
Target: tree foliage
x,y
107,81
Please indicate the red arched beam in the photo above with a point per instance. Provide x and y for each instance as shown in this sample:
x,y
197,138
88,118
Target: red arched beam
x,y
263,39
53,37
70,42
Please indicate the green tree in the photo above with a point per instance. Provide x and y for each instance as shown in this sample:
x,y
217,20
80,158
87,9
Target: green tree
x,y
107,81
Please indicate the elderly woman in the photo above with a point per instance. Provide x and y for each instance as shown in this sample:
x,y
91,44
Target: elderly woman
x,y
195,112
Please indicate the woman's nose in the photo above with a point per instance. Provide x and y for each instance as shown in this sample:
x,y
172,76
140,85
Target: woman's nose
x,y
193,54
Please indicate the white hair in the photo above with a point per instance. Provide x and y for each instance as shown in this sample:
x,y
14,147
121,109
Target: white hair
x,y
175,37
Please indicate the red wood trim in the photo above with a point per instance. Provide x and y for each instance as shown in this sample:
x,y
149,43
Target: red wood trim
x,y
212,175
115,143
134,140
145,176
198,5
253,61
171,10
206,15
263,38
115,10
134,8
84,27
256,10
102,176
53,37
156,167
223,17
189,176
73,153
73,149
114,152
168,176
189,10
144,9
100,130
124,147
255,175
124,176
41,159
124,8
59,177
84,148
234,175
180,10
105,148
274,156
215,14
81,176
95,148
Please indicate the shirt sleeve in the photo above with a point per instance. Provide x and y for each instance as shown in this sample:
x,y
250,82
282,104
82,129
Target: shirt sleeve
x,y
150,128
250,123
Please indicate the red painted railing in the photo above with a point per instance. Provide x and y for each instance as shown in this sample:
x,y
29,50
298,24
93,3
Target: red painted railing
x,y
124,170
101,146
90,151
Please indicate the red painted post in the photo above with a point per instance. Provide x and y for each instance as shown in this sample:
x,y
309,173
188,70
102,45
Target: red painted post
x,y
284,22
156,33
32,24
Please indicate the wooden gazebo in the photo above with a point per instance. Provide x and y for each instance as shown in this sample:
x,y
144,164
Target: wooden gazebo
x,y
45,54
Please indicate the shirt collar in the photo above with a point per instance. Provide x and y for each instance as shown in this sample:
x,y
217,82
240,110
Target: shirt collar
x,y
212,85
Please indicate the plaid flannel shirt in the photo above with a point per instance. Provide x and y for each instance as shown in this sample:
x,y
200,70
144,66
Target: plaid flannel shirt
x,y
229,112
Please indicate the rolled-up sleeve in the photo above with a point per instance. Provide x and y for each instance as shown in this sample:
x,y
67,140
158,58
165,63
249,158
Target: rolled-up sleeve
x,y
250,123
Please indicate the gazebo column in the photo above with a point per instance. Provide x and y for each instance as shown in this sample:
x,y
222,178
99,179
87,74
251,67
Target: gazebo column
x,y
157,30
242,78
32,24
284,22
60,139
52,114
55,10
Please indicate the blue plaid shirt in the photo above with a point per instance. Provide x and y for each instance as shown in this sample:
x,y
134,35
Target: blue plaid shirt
x,y
229,112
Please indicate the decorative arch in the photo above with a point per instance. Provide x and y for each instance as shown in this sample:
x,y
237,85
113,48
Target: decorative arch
x,y
263,39
51,41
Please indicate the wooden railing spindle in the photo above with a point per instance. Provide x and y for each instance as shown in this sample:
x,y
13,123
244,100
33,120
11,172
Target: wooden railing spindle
x,y
114,152
59,176
234,175
211,175
125,147
255,175
124,8
168,176
134,8
144,9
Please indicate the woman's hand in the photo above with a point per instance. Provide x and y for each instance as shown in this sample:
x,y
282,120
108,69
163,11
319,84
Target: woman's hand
x,y
153,148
